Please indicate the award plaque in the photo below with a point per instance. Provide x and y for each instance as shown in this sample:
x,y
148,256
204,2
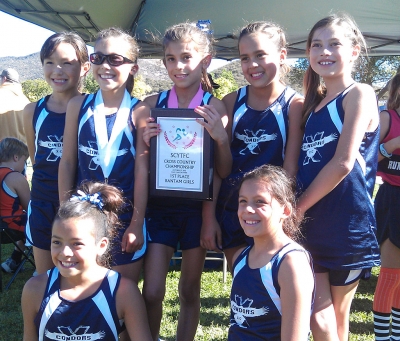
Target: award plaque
x,y
181,156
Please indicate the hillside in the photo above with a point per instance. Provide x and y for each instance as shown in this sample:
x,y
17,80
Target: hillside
x,y
152,70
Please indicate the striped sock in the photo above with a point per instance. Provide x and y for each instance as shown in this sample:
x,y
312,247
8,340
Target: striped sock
x,y
381,326
395,324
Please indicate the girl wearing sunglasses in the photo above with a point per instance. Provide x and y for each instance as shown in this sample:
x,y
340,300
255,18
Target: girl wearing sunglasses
x,y
103,142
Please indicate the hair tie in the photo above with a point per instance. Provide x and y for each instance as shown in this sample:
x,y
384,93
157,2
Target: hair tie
x,y
204,26
94,199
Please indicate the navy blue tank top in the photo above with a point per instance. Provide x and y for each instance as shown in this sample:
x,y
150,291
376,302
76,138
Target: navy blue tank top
x,y
92,318
89,168
48,127
339,231
258,138
255,298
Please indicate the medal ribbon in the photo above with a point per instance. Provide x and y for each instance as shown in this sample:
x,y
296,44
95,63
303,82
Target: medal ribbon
x,y
108,149
196,100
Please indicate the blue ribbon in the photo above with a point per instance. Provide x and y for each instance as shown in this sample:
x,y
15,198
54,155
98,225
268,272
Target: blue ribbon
x,y
94,199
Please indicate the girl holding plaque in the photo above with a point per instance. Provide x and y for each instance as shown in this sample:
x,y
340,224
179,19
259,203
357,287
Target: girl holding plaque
x,y
103,142
187,55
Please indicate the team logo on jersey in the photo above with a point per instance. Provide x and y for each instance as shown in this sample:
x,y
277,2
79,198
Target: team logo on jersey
x,y
93,151
313,143
54,143
80,333
181,137
252,139
243,310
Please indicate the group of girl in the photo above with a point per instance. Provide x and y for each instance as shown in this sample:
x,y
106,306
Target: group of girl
x,y
329,141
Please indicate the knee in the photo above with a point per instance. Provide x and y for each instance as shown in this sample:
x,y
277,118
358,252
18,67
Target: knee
x,y
323,326
153,294
189,292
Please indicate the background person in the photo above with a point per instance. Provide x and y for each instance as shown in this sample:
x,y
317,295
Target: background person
x,y
12,102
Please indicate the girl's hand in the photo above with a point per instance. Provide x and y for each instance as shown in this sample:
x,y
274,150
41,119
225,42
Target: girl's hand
x,y
212,123
210,236
132,239
152,129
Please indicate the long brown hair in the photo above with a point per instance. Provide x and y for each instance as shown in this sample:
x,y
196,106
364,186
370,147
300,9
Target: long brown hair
x,y
394,93
185,32
314,88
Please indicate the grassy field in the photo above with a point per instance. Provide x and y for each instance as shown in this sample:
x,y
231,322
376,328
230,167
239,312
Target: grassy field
x,y
214,318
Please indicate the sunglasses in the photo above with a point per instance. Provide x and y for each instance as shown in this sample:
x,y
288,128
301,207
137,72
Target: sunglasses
x,y
112,59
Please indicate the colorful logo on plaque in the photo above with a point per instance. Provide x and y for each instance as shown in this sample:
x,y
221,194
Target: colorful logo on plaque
x,y
180,137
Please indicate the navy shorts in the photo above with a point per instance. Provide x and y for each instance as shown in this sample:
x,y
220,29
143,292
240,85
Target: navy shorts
x,y
232,232
343,277
388,214
170,228
121,258
41,215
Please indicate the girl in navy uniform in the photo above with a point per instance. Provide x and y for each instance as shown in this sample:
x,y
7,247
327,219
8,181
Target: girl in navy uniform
x,y
273,283
387,293
337,168
187,54
264,124
103,141
80,298
65,62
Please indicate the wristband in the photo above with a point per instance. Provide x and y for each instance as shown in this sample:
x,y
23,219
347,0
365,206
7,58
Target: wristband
x,y
383,151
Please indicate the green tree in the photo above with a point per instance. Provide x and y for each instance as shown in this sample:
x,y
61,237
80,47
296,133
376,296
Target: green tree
x,y
226,82
90,85
141,89
35,89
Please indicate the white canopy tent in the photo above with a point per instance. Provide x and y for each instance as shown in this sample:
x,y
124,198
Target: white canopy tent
x,y
378,20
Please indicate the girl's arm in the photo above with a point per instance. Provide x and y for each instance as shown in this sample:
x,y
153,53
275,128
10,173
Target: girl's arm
x,y
217,120
295,136
69,159
361,111
131,308
296,280
392,144
152,129
210,236
32,295
133,237
29,131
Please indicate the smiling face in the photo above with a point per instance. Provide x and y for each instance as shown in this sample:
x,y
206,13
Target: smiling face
x,y
184,63
74,249
62,69
260,59
331,52
259,213
113,78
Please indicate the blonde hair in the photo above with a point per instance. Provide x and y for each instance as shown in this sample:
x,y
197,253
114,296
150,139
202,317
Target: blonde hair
x,y
314,89
190,32
273,32
133,51
394,93
10,146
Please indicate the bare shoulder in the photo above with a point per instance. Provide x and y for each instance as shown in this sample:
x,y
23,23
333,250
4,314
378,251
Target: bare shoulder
x,y
151,100
230,98
30,109
76,101
34,289
16,178
219,105
362,90
142,110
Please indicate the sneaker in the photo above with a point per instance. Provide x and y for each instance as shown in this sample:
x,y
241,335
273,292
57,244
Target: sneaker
x,y
10,265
